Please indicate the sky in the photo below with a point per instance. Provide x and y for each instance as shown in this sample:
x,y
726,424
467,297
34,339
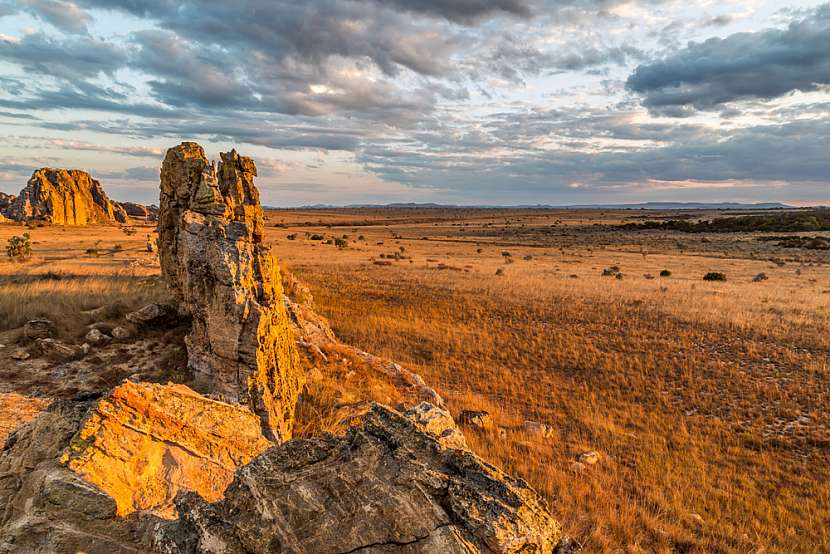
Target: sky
x,y
469,102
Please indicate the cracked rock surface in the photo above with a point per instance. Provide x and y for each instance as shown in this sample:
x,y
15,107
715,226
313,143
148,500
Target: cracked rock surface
x,y
241,346
387,485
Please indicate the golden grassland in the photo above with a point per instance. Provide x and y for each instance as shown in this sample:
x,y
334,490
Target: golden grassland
x,y
708,402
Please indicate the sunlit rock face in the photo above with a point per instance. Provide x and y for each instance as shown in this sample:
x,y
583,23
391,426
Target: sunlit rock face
x,y
64,197
388,485
145,442
241,347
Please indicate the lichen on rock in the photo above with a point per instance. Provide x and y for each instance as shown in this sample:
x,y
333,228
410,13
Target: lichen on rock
x,y
241,347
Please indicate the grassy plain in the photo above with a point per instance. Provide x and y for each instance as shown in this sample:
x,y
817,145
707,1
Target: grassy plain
x,y
707,401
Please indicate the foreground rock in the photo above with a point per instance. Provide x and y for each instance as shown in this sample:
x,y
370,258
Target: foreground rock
x,y
68,478
139,211
387,486
65,197
145,442
44,507
212,256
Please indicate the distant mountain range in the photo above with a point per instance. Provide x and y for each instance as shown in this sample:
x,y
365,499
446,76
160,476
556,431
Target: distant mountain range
x,y
641,206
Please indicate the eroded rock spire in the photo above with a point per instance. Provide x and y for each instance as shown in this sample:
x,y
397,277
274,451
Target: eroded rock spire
x,y
212,255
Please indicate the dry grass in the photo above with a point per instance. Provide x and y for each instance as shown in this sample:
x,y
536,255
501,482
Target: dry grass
x,y
707,401
61,279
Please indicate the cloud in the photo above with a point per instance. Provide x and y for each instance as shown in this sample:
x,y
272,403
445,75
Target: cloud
x,y
66,16
69,59
744,66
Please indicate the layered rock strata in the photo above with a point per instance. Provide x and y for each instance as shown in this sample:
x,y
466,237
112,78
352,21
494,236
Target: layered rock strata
x,y
241,347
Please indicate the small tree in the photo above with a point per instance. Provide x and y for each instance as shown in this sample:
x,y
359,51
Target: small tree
x,y
19,247
341,243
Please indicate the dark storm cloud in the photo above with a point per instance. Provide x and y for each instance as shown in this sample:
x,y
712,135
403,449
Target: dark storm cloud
x,y
743,66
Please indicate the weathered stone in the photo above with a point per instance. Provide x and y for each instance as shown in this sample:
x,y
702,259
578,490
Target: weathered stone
x,y
95,336
39,329
120,333
6,200
386,486
44,507
134,210
213,258
154,315
66,197
537,429
478,419
57,350
145,442
19,354
438,423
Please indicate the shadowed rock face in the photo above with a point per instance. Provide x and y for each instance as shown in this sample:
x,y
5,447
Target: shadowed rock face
x,y
64,197
211,226
387,486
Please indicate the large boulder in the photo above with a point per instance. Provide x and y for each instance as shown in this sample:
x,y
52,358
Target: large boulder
x,y
66,197
387,486
44,507
241,347
145,442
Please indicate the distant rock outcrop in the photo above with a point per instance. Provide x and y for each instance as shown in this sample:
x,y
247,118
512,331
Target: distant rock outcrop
x,y
212,255
139,211
65,197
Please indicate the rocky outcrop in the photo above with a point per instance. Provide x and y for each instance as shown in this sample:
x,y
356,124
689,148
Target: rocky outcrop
x,y
65,197
6,200
45,507
145,442
212,255
139,211
387,486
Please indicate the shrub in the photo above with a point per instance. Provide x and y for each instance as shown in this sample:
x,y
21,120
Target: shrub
x,y
506,254
19,247
129,231
714,276
292,236
317,237
665,273
341,243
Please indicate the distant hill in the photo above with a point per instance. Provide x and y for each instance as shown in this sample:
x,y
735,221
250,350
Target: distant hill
x,y
641,206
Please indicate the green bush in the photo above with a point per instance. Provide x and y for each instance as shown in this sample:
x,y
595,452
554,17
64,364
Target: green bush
x,y
317,237
714,276
665,273
341,243
19,247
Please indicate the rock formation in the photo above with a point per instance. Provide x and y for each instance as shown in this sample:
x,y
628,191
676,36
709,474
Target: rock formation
x,y
45,507
139,211
213,258
6,200
386,486
145,442
66,197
